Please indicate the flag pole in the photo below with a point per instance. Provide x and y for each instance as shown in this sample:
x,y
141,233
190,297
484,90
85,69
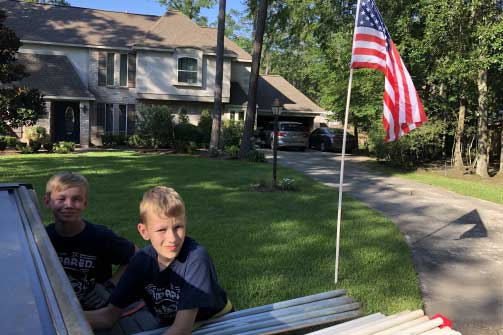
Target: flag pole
x,y
341,176
341,172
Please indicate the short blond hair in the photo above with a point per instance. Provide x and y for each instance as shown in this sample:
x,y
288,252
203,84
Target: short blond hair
x,y
64,180
162,201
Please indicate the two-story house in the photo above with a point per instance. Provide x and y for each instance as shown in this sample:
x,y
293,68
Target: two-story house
x,y
95,67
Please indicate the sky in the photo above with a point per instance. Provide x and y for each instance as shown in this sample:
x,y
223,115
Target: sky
x,y
148,6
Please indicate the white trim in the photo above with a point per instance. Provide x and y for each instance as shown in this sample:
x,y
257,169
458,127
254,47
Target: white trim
x,y
76,45
153,49
64,97
197,71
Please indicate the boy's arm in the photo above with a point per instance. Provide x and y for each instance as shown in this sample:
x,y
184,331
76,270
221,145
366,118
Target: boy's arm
x,y
103,318
184,321
120,271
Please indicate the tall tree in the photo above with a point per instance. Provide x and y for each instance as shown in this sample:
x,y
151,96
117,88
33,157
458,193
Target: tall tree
x,y
252,87
19,106
217,111
191,8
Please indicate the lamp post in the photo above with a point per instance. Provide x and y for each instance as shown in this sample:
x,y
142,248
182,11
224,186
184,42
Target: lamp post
x,y
276,108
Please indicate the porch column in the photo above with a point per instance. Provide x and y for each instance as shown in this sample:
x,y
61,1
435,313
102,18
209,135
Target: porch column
x,y
85,109
45,119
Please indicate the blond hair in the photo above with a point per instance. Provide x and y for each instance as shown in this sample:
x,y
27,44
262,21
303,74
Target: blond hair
x,y
162,201
64,180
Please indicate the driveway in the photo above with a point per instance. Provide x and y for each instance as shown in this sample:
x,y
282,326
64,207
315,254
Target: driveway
x,y
457,241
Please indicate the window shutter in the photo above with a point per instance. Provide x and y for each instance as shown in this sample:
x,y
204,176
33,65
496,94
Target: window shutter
x,y
131,70
102,68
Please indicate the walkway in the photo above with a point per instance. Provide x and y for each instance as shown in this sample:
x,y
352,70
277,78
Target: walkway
x,y
457,241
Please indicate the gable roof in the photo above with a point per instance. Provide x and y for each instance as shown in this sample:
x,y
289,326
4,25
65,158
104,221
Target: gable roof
x,y
270,87
54,76
101,28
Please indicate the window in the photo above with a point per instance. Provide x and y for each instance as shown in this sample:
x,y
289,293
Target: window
x,y
123,70
109,118
187,70
127,119
110,68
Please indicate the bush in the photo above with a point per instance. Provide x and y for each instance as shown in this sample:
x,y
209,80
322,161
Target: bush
x,y
3,143
256,156
287,184
24,148
35,145
419,146
113,140
137,141
11,141
35,136
232,151
204,125
48,145
186,133
64,147
155,122
232,133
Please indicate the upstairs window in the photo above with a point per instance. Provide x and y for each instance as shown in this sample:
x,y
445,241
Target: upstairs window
x,y
187,70
110,68
123,70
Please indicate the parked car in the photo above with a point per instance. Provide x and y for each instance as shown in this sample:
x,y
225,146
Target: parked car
x,y
330,139
290,135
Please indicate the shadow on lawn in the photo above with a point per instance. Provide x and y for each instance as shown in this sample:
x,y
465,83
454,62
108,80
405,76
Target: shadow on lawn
x,y
267,246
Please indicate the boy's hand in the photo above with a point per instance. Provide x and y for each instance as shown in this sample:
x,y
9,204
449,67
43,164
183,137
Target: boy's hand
x,y
184,321
97,298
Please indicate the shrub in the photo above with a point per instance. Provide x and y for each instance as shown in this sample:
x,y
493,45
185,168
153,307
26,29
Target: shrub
x,y
421,145
186,133
232,133
256,156
35,136
155,122
3,143
35,145
23,148
287,184
204,125
137,141
11,141
113,140
232,151
48,145
64,147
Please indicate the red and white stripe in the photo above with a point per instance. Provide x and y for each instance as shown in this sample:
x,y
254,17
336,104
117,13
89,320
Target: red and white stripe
x,y
403,110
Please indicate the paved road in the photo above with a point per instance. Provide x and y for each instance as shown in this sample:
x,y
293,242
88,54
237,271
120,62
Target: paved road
x,y
457,241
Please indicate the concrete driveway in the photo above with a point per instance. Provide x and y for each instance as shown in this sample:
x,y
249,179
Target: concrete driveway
x,y
457,241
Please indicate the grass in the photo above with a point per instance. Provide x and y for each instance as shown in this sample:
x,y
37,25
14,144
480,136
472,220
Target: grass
x,y
267,246
490,189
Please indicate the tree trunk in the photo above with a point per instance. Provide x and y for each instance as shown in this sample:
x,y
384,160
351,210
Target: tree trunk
x,y
501,151
483,138
252,88
216,125
356,136
458,152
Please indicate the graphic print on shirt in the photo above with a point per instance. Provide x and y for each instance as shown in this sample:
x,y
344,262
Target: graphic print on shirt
x,y
165,301
77,267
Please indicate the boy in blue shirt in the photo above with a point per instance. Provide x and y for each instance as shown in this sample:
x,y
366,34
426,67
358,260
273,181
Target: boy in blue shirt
x,y
86,251
174,275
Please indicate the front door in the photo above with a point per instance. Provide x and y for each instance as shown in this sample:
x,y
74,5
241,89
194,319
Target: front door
x,y
66,121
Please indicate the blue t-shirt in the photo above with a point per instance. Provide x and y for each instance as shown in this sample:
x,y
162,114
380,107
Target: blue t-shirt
x,y
88,256
190,281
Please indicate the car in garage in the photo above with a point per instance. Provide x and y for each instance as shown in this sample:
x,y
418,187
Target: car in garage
x,y
330,139
290,135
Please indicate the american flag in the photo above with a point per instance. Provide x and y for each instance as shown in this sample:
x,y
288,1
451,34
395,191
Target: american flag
x,y
373,48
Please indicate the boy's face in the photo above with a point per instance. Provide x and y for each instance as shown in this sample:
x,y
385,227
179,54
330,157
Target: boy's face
x,y
166,235
67,205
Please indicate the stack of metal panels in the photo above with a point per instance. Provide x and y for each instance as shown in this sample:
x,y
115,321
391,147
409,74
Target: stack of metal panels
x,y
314,310
404,323
36,295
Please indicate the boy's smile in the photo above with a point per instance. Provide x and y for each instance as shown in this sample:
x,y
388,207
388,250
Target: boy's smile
x,y
166,234
67,205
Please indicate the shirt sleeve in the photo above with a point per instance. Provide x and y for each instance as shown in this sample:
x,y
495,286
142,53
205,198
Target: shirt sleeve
x,y
129,288
200,289
120,249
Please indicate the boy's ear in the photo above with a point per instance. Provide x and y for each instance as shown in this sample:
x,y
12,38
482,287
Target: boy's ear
x,y
47,199
142,229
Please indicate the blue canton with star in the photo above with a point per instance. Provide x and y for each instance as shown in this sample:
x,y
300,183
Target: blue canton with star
x,y
369,17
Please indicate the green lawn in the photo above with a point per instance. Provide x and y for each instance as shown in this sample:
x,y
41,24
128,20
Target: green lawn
x,y
490,189
267,246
